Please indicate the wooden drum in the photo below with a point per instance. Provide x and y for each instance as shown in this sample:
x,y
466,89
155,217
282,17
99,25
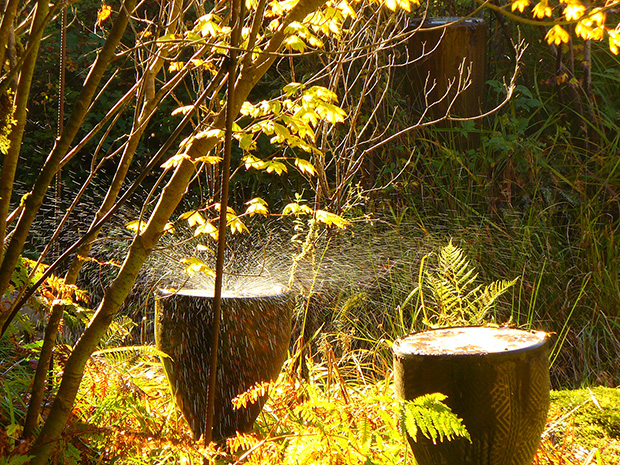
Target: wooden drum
x,y
496,380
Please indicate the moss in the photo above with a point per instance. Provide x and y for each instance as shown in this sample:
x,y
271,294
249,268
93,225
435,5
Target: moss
x,y
590,418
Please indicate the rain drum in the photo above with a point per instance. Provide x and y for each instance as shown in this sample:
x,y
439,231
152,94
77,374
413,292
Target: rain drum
x,y
496,380
255,331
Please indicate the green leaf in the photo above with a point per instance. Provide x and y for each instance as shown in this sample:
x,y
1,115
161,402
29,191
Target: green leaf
x,y
428,415
167,38
246,141
292,88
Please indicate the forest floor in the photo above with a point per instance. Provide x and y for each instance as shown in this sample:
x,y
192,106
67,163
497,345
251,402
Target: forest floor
x,y
584,426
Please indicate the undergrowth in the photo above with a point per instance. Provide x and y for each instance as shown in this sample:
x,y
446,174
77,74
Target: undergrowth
x,y
345,413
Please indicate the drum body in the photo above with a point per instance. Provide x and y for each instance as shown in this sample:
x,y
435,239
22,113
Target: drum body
x,y
255,332
496,380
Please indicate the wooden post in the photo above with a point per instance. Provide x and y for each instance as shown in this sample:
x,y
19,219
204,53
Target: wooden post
x,y
443,50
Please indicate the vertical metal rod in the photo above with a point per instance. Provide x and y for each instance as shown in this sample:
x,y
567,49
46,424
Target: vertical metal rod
x,y
61,118
236,20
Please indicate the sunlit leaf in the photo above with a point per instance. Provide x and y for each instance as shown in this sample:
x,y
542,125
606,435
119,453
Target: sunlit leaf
x,y
614,42
257,206
295,43
196,265
331,219
194,218
204,248
330,112
305,167
542,10
296,209
557,35
169,228
209,25
104,13
321,93
573,11
252,162
136,226
276,166
175,161
210,159
206,228
175,66
520,5
292,88
182,110
235,224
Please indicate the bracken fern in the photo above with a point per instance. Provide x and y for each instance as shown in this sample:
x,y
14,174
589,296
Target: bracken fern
x,y
453,297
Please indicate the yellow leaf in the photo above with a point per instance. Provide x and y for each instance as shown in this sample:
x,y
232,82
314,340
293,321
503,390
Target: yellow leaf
x,y
253,162
296,209
196,265
331,219
519,5
175,66
305,167
204,248
597,33
542,10
257,206
276,166
331,113
182,110
557,35
235,224
614,42
104,13
206,228
136,226
574,11
193,218
210,159
175,161
295,43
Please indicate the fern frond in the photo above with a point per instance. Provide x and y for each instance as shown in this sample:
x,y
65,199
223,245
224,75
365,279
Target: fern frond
x,y
454,267
431,417
128,353
241,441
453,291
487,297
252,395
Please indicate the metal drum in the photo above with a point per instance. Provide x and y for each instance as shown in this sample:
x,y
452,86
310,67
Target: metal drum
x,y
496,380
254,338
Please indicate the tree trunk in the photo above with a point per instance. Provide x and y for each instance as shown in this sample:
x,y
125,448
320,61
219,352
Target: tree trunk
x,y
34,199
143,244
